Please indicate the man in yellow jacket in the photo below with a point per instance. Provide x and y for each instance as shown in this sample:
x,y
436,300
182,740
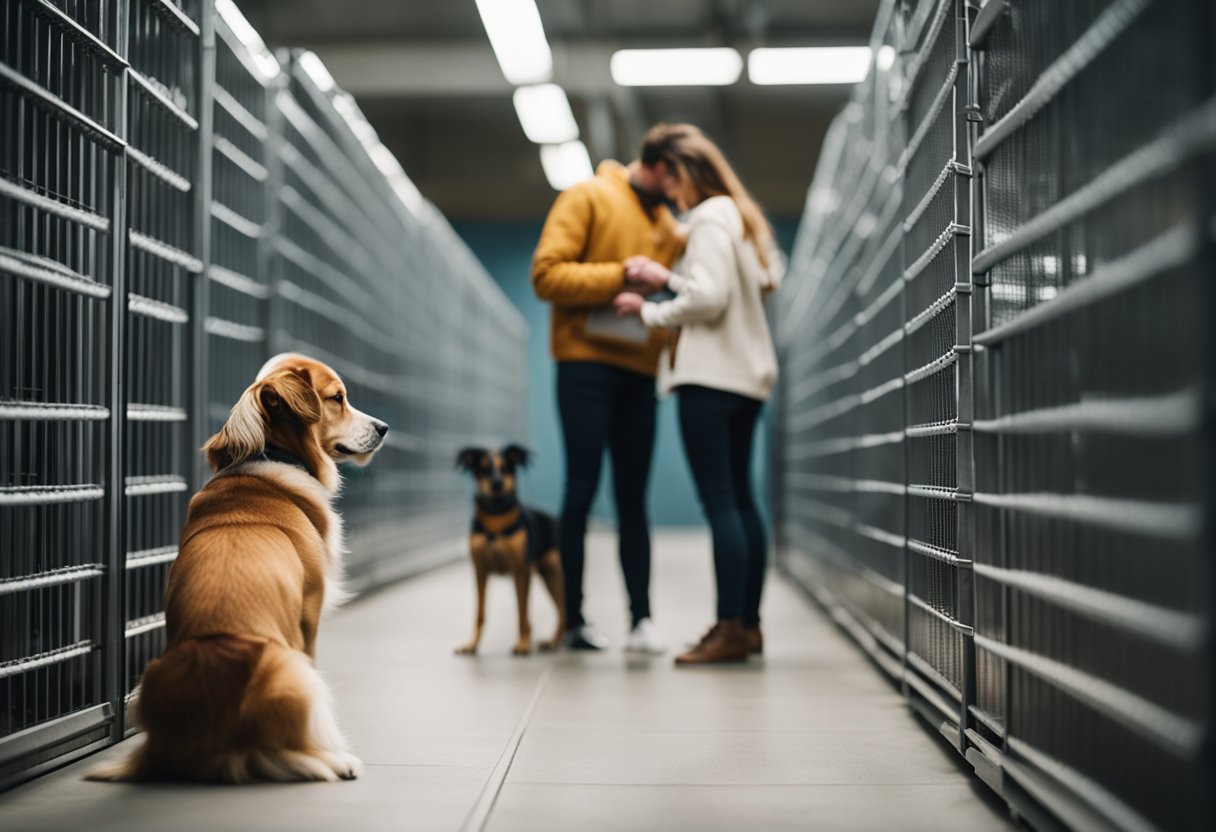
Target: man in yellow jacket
x,y
605,384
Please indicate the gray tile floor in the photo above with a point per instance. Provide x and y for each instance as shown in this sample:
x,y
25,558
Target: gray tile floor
x,y
810,737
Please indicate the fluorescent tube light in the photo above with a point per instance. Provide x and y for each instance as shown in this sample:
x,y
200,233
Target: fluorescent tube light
x,y
809,65
712,67
518,39
566,164
544,111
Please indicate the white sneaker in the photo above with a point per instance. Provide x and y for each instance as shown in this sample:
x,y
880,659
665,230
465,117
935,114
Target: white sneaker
x,y
643,639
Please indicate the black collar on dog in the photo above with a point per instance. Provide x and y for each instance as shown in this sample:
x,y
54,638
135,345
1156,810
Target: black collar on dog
x,y
493,506
273,454
480,528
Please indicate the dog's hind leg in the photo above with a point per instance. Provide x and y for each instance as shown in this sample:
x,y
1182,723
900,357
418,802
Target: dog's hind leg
x,y
289,710
550,568
523,582
327,738
130,767
471,647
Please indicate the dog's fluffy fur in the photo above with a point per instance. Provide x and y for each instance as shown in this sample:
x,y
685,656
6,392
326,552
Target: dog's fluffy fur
x,y
236,697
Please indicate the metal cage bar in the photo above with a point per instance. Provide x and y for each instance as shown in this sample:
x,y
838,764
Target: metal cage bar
x,y
1056,595
176,204
840,494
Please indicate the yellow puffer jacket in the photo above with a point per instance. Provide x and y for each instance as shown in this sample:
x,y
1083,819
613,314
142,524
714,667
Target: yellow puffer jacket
x,y
591,229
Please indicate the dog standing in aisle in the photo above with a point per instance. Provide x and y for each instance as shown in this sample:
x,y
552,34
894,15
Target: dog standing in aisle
x,y
508,537
236,697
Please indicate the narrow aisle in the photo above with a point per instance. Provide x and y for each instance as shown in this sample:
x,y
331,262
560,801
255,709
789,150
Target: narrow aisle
x,y
809,737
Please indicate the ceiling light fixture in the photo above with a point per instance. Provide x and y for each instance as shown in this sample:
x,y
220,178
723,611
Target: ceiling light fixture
x,y
518,39
566,164
809,65
545,114
711,67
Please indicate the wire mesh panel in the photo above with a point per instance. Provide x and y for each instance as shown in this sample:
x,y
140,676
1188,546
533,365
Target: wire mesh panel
x,y
840,490
1053,262
1095,573
372,280
61,178
237,286
175,207
936,172
162,264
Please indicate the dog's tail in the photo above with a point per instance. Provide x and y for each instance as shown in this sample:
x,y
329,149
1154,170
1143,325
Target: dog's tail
x,y
234,709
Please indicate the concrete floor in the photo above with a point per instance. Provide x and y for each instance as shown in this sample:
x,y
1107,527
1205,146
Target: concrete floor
x,y
810,737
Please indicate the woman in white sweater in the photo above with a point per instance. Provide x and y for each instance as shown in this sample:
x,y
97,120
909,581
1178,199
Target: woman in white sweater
x,y
722,367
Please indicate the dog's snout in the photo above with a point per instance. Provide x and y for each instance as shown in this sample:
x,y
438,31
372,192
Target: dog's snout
x,y
496,485
381,427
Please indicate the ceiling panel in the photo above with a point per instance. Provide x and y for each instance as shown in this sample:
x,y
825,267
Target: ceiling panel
x,y
425,75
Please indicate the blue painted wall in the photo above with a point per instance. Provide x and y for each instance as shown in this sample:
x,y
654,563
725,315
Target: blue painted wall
x,y
506,250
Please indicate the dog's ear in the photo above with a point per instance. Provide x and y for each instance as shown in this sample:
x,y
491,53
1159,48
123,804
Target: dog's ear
x,y
517,455
468,458
289,395
242,436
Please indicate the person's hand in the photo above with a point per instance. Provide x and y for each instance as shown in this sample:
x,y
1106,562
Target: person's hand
x,y
628,303
646,275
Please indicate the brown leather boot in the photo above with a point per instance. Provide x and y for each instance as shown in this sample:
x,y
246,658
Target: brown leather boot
x,y
725,642
755,640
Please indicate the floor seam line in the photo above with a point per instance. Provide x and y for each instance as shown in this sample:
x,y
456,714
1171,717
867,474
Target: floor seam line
x,y
480,813
846,784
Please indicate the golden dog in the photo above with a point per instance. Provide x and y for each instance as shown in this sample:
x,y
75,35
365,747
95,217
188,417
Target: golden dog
x,y
236,697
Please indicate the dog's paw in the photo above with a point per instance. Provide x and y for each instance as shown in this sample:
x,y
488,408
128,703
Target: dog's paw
x,y
346,765
522,648
549,646
469,649
112,772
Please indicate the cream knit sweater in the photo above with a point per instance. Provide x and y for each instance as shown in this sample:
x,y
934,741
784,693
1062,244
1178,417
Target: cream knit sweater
x,y
724,338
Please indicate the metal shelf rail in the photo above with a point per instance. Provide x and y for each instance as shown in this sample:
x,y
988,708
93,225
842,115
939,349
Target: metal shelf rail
x,y
176,205
1044,592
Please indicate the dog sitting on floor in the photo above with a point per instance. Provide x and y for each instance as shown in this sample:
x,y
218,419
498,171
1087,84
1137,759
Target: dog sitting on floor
x,y
509,538
236,698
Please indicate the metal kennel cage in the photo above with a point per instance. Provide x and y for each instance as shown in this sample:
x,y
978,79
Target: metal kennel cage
x,y
176,205
1013,514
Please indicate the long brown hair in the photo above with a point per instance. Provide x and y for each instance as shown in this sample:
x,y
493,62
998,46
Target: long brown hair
x,y
695,159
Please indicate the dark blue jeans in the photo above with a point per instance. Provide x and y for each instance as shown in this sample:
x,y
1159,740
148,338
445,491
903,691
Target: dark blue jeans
x,y
606,407
718,428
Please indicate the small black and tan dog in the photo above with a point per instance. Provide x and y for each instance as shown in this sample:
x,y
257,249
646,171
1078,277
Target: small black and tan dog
x,y
509,538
